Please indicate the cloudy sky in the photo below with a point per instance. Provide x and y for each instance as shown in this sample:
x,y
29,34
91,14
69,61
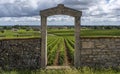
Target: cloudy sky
x,y
26,12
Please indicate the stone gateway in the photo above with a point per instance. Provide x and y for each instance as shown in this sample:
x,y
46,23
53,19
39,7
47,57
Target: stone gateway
x,y
31,53
60,9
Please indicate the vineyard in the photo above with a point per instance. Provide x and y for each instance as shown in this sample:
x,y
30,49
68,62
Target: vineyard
x,y
60,44
60,50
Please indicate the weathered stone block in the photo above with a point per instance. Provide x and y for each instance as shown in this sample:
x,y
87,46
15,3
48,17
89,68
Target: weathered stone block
x,y
86,51
101,46
87,44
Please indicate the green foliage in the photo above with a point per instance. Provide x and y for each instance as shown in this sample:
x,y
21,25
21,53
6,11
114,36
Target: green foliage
x,y
2,31
58,39
94,33
70,51
84,70
19,34
86,32
52,49
62,52
22,33
57,43
7,27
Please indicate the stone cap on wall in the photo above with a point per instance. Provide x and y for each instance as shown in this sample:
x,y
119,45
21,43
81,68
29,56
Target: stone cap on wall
x,y
61,9
105,37
19,38
110,37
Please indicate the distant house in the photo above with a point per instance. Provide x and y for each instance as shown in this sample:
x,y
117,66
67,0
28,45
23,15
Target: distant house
x,y
14,29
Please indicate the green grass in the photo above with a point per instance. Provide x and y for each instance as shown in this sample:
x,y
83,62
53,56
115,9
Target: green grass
x,y
8,34
87,33
112,32
59,32
84,70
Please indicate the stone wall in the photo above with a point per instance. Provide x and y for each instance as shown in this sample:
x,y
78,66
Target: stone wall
x,y
100,52
94,52
20,53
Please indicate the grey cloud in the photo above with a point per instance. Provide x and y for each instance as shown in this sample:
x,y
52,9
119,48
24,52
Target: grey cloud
x,y
25,8
22,8
10,10
80,4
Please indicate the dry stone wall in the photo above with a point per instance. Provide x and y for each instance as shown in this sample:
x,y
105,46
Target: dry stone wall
x,y
94,52
100,52
20,53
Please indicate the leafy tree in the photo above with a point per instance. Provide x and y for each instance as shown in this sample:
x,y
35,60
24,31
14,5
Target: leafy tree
x,y
2,31
16,26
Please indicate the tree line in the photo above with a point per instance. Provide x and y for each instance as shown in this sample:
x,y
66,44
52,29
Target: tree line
x,y
18,27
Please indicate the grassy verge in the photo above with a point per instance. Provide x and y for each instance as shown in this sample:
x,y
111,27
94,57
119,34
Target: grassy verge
x,y
84,70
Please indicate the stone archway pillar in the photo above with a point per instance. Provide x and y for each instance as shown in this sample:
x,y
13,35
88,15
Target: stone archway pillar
x,y
60,9
43,41
77,42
